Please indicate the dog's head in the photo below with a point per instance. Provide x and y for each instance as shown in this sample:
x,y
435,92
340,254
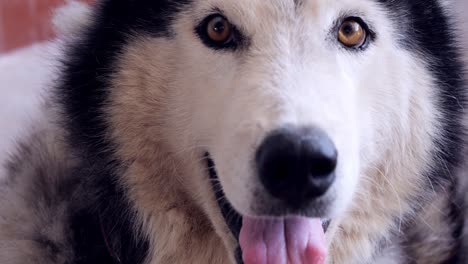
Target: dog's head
x,y
304,109
295,102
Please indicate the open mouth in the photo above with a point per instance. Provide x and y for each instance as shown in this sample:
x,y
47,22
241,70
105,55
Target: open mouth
x,y
271,240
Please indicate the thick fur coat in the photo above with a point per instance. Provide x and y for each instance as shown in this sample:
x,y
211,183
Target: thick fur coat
x,y
117,171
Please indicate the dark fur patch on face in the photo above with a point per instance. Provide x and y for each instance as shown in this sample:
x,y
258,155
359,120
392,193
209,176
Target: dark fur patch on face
x,y
89,65
104,229
428,32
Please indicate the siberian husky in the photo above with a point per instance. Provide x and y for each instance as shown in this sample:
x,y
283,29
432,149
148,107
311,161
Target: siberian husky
x,y
250,131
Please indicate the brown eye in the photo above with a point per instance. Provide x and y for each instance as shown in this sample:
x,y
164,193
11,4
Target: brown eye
x,y
352,34
219,30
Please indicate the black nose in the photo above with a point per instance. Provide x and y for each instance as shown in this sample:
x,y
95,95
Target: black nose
x,y
297,165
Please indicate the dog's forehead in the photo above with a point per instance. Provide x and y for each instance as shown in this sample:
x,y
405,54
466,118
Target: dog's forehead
x,y
274,9
271,14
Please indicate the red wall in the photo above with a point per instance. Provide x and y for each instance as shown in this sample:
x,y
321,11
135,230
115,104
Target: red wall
x,y
23,22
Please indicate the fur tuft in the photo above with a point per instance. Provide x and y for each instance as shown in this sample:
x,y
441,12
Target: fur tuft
x,y
71,18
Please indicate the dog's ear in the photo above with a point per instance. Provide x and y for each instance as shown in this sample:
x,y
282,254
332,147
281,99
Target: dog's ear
x,y
70,18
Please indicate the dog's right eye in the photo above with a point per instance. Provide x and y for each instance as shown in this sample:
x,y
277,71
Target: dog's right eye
x,y
353,33
216,32
219,30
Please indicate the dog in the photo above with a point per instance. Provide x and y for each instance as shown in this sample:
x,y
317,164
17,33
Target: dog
x,y
189,131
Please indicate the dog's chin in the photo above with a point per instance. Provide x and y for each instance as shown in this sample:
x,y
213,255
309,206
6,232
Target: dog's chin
x,y
235,221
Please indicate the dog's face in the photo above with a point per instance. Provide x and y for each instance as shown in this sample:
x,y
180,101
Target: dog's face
x,y
287,72
256,73
298,103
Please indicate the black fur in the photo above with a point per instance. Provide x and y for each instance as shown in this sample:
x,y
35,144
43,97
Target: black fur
x,y
89,66
107,217
427,31
103,222
457,217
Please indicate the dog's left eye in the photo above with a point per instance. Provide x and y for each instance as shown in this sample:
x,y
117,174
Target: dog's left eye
x,y
353,33
218,29
217,32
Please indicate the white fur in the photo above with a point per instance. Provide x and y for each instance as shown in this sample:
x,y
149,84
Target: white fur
x,y
24,75
297,74
72,17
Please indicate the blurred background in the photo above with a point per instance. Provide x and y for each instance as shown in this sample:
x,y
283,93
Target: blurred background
x,y
23,22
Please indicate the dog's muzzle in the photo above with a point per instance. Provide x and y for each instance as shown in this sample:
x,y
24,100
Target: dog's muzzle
x,y
295,166
230,215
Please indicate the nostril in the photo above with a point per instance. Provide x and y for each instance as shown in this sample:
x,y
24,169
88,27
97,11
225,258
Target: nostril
x,y
322,155
321,166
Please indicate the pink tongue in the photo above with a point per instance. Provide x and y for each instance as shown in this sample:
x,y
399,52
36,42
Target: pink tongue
x,y
281,241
